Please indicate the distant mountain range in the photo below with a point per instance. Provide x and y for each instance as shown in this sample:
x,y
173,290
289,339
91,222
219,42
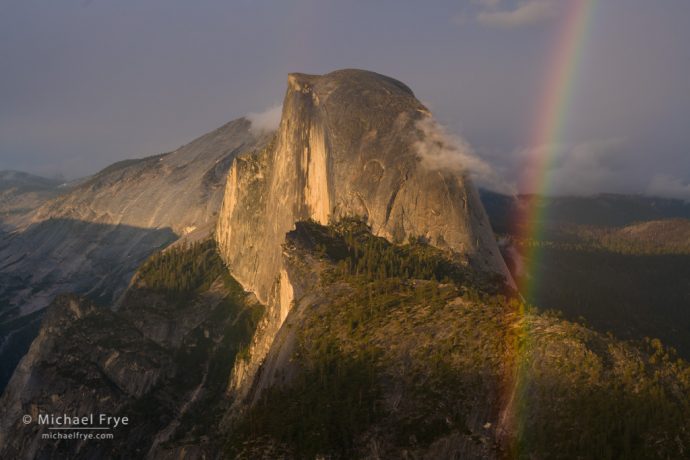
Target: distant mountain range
x,y
25,181
621,263
21,192
605,210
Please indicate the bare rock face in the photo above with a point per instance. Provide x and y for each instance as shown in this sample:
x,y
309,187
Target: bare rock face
x,y
157,360
178,190
104,381
348,145
91,239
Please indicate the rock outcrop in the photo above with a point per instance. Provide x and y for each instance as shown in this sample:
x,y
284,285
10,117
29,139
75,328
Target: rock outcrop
x,y
91,240
348,145
159,198
162,360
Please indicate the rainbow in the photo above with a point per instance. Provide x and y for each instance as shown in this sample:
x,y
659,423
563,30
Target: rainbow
x,y
549,128
551,122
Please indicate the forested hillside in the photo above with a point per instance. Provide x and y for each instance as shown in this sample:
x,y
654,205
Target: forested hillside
x,y
439,363
619,263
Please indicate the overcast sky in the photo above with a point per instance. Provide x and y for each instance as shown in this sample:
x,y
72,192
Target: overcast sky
x,y
86,83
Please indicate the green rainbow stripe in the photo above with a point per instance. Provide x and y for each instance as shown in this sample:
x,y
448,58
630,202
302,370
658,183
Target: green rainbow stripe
x,y
549,128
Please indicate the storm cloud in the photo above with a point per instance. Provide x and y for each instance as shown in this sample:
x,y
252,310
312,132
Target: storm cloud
x,y
85,84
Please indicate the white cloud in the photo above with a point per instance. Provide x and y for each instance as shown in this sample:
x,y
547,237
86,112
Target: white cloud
x,y
667,186
526,13
440,150
266,121
579,169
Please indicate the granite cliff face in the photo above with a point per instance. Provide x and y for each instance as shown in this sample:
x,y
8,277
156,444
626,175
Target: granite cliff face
x,y
347,145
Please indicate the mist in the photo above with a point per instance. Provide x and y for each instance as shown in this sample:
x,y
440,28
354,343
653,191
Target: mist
x,y
439,150
267,120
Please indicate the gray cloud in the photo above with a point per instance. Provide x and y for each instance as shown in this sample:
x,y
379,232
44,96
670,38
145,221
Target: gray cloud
x,y
526,13
594,165
668,186
81,88
580,169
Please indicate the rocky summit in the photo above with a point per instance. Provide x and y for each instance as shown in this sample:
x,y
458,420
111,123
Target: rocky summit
x,y
348,145
332,289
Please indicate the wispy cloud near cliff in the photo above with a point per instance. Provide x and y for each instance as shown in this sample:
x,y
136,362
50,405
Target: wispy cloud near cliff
x,y
266,121
440,150
669,187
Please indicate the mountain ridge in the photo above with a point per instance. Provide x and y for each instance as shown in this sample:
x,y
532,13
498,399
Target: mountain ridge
x,y
347,146
92,237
